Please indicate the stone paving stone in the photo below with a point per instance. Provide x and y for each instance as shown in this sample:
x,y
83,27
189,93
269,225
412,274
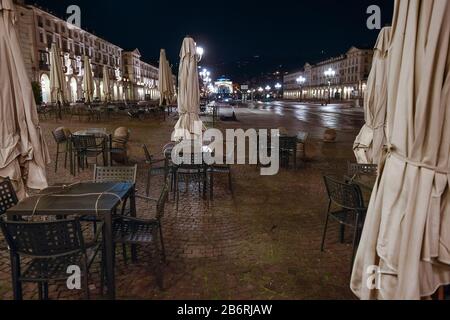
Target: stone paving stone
x,y
261,243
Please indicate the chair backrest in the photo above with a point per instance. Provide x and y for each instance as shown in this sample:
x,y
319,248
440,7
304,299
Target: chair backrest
x,y
160,207
365,169
82,142
148,156
345,195
8,197
43,239
59,135
288,142
115,174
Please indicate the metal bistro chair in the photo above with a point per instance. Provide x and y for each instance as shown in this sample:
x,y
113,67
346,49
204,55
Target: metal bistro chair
x,y
355,169
348,198
85,147
288,150
62,145
135,231
51,247
112,174
220,169
155,167
8,197
194,171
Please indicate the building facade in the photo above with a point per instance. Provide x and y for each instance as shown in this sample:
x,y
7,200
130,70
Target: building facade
x,y
39,29
140,78
350,72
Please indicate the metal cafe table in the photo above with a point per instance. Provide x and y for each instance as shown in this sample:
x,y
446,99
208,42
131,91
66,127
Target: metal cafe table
x,y
100,134
81,199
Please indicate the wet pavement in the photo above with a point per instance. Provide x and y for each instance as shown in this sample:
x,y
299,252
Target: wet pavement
x,y
262,242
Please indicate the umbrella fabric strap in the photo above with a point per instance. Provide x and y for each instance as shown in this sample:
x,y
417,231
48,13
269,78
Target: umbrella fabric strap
x,y
56,195
377,127
390,151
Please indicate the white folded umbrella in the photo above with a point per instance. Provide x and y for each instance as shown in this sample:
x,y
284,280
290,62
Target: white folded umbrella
x,y
407,230
23,151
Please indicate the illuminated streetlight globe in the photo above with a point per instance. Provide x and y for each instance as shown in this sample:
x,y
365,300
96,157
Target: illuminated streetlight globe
x,y
260,89
268,88
200,52
301,80
278,86
330,73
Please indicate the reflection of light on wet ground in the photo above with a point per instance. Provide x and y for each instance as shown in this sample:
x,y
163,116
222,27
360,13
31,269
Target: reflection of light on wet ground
x,y
331,116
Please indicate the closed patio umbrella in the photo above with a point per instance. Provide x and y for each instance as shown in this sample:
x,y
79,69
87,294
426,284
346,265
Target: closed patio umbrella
x,y
57,78
23,151
369,144
407,229
188,92
88,81
165,82
106,84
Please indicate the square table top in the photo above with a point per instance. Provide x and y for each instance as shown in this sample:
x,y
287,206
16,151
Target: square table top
x,y
86,198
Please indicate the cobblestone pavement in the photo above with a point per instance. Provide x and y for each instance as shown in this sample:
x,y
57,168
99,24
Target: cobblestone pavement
x,y
261,243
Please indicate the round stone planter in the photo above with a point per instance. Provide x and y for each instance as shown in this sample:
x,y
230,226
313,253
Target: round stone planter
x,y
330,135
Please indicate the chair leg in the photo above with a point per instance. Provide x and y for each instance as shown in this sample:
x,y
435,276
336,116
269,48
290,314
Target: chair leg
x,y
124,253
45,287
158,260
40,291
57,157
177,191
342,233
148,182
325,228
65,160
355,242
162,243
86,281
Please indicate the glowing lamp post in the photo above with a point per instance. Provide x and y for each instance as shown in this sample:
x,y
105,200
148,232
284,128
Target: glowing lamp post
x,y
329,74
301,81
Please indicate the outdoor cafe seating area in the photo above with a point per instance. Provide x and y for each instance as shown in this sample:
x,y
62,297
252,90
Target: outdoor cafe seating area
x,y
88,223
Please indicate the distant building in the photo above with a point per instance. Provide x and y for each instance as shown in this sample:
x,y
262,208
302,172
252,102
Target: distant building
x,y
38,29
140,78
349,82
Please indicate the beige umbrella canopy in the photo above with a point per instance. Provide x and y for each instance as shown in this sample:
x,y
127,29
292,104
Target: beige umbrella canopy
x,y
165,82
369,144
88,81
57,80
23,152
188,92
407,229
106,84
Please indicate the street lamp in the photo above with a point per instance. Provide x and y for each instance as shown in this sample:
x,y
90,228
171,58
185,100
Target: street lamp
x,y
278,87
301,81
329,74
268,88
200,52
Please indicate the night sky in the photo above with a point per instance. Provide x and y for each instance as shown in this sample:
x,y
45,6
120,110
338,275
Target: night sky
x,y
242,39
